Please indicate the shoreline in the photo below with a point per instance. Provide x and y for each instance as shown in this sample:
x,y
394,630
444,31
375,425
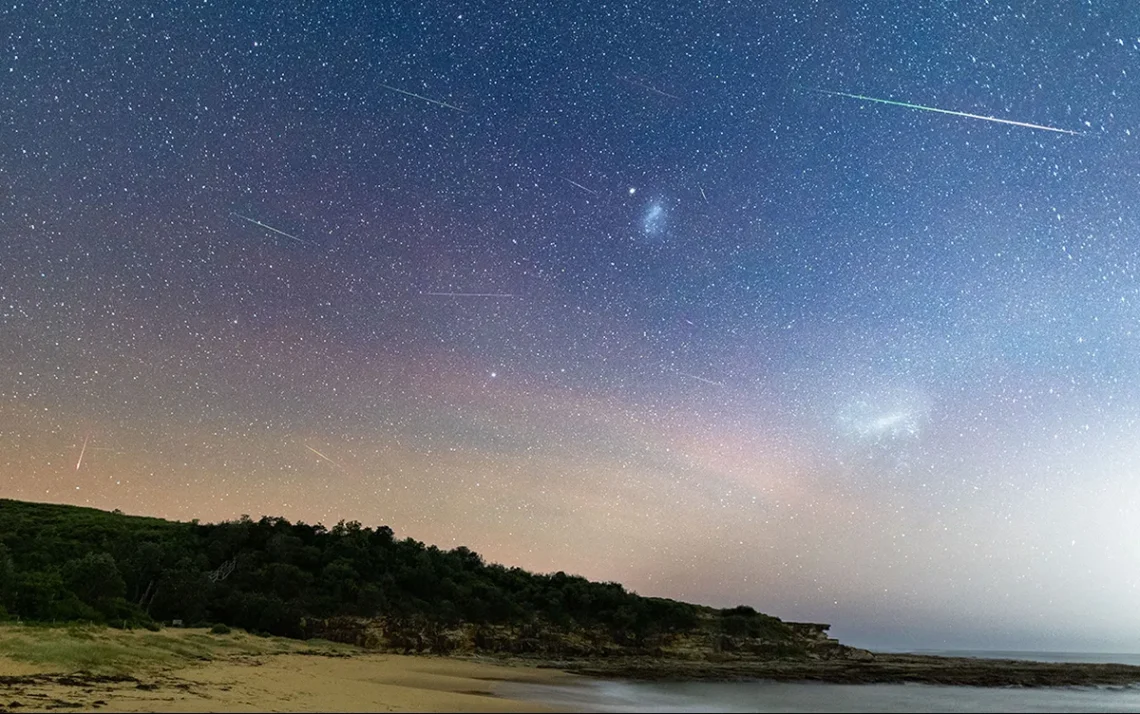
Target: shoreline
x,y
885,668
192,670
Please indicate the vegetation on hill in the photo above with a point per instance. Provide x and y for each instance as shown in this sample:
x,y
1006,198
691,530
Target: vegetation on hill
x,y
65,563
99,650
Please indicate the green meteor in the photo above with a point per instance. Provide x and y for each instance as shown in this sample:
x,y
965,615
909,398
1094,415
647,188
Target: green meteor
x,y
948,111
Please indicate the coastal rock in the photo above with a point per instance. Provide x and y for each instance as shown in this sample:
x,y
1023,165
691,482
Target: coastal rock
x,y
811,631
882,669
832,650
857,655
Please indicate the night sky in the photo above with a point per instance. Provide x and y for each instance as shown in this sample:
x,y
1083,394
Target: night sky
x,y
616,288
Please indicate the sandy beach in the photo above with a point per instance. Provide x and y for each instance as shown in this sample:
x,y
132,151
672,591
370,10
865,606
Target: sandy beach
x,y
187,670
92,668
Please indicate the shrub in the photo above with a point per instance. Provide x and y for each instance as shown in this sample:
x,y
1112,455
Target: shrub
x,y
220,629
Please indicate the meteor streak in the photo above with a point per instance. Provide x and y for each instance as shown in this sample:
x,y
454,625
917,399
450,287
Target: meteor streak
x,y
647,87
81,452
323,456
256,222
486,295
426,99
1027,125
575,183
701,379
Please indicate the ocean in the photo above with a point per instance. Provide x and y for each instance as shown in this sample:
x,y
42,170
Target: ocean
x,y
766,696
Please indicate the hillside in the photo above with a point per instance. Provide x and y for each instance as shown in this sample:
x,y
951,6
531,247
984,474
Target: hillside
x,y
352,584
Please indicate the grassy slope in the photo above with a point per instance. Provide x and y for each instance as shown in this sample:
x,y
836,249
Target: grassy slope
x,y
103,650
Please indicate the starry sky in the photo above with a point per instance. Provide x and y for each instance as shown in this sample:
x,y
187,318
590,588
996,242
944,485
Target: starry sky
x,y
617,288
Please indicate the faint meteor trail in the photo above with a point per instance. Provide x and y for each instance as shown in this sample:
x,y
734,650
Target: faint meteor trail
x,y
1027,125
481,295
700,379
323,456
81,452
647,88
702,188
426,99
256,222
575,183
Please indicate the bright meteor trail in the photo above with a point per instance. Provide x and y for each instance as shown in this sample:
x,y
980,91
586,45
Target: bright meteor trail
x,y
948,111
323,456
256,222
426,99
81,453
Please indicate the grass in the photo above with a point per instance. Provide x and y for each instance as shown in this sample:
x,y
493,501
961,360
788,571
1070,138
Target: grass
x,y
102,650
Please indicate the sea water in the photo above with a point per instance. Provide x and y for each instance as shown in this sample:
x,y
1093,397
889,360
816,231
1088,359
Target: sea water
x,y
767,696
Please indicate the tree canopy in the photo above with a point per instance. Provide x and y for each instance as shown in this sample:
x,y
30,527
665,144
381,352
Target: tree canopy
x,y
270,575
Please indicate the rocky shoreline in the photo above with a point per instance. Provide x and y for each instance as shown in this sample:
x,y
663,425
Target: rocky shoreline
x,y
881,669
798,651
